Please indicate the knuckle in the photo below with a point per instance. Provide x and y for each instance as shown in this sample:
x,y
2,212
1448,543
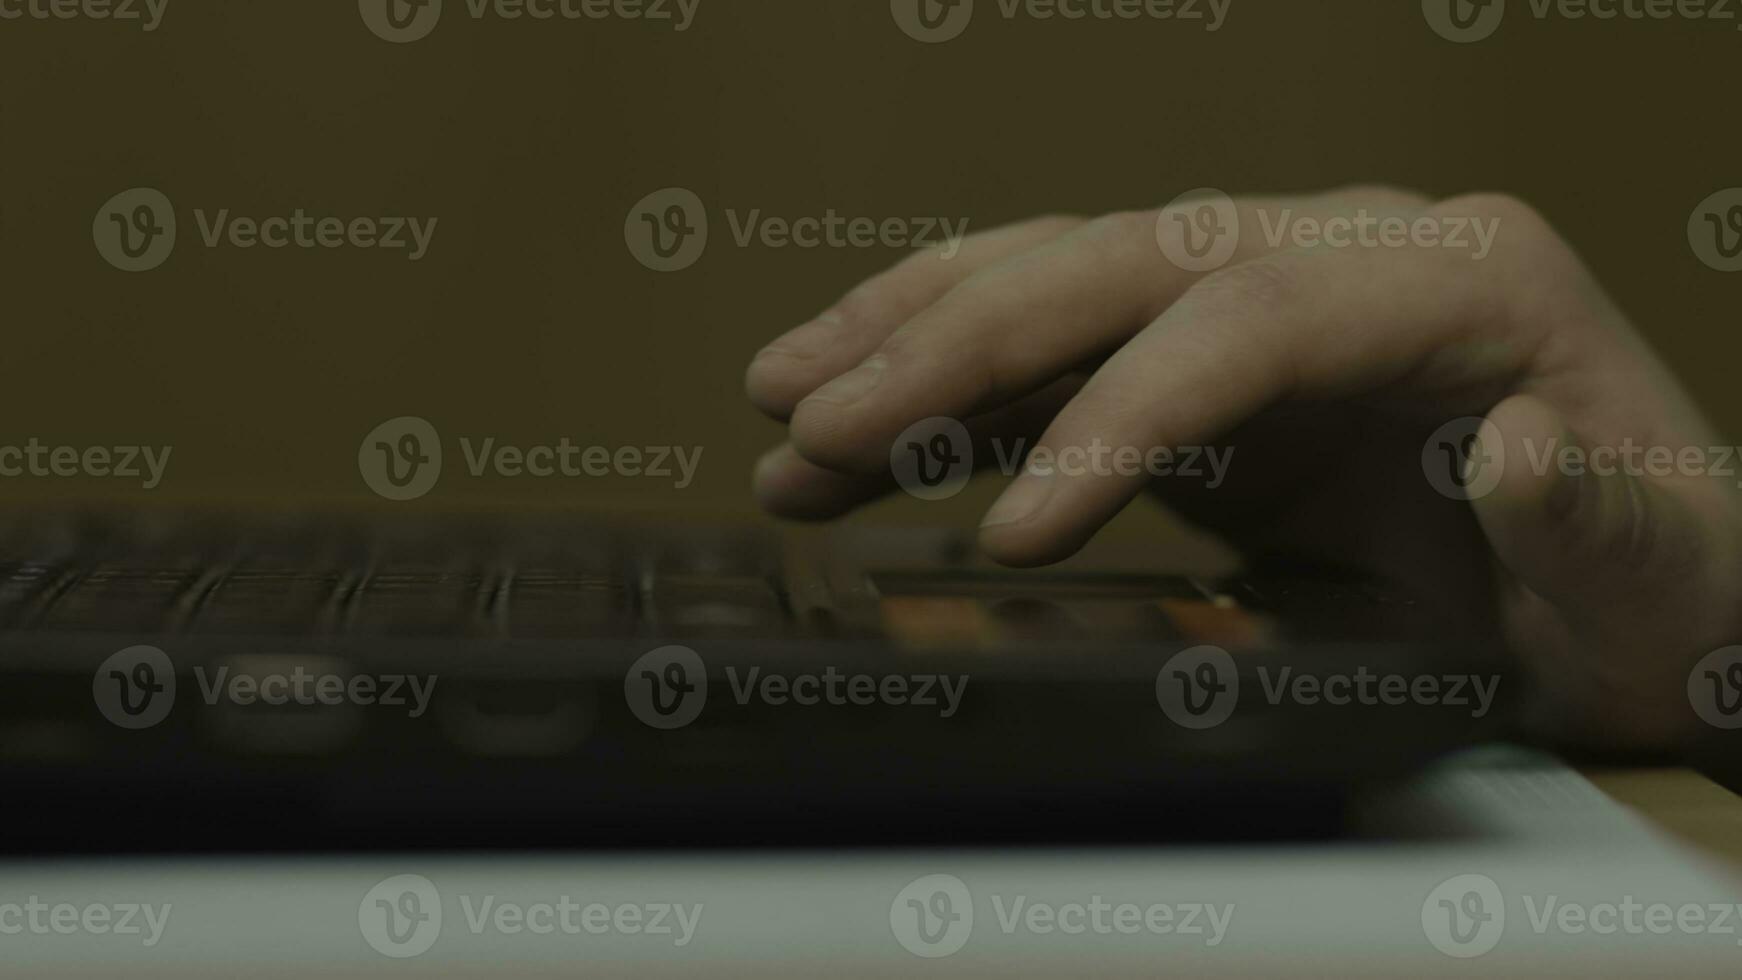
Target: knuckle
x,y
1492,204
1126,240
1119,225
1119,232
1519,222
1538,275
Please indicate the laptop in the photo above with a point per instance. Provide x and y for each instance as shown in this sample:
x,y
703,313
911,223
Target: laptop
x,y
249,682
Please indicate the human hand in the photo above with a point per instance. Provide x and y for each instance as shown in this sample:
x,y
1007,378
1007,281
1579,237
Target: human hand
x,y
1328,369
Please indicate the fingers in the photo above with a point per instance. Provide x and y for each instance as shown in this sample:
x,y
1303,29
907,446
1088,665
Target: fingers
x,y
790,486
1299,324
804,359
1017,324
1003,333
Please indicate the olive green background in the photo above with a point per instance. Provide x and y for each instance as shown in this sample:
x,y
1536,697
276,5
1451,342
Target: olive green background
x,y
530,141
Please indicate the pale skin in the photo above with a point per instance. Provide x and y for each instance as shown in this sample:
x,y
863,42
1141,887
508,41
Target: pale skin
x,y
1327,369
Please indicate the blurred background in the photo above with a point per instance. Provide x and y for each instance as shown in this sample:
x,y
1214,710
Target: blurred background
x,y
530,141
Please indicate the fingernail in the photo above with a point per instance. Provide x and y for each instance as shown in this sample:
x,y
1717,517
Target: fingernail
x,y
854,385
1023,500
807,341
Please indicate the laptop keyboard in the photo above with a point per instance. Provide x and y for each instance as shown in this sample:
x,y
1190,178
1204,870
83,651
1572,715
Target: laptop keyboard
x,y
435,579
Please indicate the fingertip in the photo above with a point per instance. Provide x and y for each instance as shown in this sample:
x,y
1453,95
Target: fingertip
x,y
822,436
1021,546
787,486
766,472
1044,518
772,480
774,382
793,365
1016,532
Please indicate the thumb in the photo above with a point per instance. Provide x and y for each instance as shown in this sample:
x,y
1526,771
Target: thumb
x,y
1606,567
1568,521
